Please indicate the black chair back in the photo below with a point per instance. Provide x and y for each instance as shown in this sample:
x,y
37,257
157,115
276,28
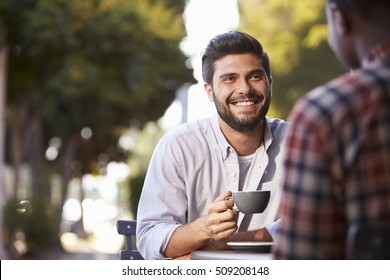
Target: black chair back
x,y
128,229
369,242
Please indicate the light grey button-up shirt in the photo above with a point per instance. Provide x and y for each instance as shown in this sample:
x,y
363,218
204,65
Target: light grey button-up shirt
x,y
194,164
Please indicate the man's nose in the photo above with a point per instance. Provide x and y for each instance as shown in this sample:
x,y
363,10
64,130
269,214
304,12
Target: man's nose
x,y
243,86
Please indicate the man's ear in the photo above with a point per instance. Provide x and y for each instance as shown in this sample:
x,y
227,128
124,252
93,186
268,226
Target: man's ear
x,y
209,91
341,19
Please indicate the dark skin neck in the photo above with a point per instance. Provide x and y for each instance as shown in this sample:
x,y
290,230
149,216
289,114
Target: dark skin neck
x,y
367,34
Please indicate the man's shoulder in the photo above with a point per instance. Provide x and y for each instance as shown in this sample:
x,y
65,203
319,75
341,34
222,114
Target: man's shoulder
x,y
189,129
318,106
277,124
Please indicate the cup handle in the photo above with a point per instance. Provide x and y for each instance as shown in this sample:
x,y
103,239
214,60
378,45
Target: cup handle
x,y
235,206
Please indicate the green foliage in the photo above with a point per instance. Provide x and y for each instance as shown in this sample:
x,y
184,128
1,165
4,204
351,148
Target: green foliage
x,y
102,64
294,35
136,184
29,222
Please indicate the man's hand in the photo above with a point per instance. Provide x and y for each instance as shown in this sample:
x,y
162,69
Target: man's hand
x,y
221,221
217,225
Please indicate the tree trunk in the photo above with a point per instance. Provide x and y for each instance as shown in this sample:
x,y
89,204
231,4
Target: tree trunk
x,y
3,71
70,148
35,156
17,143
68,159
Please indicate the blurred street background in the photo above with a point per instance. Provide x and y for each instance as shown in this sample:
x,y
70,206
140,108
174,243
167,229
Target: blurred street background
x,y
87,88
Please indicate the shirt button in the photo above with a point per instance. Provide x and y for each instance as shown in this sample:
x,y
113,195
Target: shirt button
x,y
234,174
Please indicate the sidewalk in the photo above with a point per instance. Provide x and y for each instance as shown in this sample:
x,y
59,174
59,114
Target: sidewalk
x,y
79,249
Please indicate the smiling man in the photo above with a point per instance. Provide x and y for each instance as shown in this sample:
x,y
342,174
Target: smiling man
x,y
196,166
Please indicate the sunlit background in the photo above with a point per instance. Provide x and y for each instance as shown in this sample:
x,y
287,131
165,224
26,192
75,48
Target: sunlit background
x,y
92,204
294,35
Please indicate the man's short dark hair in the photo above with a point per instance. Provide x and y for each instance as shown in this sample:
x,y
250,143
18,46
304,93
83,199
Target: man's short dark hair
x,y
233,42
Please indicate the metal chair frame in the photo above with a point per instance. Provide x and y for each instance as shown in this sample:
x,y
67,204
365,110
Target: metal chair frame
x,y
128,229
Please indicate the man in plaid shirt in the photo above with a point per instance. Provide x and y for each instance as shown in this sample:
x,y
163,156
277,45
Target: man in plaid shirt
x,y
337,166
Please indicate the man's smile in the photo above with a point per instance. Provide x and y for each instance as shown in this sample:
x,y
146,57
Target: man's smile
x,y
245,103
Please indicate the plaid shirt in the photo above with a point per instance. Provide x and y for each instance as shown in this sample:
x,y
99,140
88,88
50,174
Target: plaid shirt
x,y
337,166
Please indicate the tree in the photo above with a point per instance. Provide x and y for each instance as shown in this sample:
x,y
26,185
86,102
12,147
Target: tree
x,y
93,65
294,35
3,63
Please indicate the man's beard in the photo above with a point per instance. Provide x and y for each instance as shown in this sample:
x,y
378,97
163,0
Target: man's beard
x,y
243,125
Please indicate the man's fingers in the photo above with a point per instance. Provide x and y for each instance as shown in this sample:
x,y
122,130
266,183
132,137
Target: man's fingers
x,y
223,197
221,204
222,221
221,217
220,207
222,225
223,230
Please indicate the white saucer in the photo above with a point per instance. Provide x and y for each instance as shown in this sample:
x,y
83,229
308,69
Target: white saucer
x,y
252,246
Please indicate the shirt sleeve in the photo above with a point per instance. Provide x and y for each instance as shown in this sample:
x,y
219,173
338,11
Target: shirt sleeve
x,y
163,202
273,228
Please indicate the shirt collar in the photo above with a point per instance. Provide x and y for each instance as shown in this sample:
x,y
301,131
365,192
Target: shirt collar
x,y
380,51
224,145
267,134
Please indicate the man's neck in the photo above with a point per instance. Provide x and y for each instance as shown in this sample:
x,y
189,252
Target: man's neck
x,y
243,143
369,35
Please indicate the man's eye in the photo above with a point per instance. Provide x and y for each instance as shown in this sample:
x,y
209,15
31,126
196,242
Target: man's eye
x,y
256,77
230,79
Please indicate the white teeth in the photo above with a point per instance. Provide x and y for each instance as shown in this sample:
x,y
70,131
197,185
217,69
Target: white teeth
x,y
245,103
